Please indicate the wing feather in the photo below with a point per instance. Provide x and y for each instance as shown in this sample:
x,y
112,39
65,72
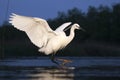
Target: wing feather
x,y
63,26
37,29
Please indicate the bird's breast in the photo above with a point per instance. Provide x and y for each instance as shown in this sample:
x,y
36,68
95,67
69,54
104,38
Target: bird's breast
x,y
56,43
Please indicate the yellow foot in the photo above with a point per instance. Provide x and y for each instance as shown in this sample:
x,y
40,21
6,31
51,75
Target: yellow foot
x,y
64,61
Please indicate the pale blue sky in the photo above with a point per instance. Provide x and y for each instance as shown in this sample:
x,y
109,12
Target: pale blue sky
x,y
47,8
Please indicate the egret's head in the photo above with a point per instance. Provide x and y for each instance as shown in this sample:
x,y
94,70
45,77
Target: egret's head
x,y
76,26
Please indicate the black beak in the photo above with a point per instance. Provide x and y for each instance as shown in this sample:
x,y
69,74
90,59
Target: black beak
x,y
83,29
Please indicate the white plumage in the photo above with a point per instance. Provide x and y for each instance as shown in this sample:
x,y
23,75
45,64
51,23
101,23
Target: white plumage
x,y
41,34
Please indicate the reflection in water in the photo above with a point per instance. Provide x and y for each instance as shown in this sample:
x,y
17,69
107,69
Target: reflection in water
x,y
34,73
52,74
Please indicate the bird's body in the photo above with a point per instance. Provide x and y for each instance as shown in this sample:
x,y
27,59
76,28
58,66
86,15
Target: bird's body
x,y
58,44
49,41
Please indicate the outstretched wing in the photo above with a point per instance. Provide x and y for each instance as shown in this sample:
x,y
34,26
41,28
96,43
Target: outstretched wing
x,y
37,29
63,26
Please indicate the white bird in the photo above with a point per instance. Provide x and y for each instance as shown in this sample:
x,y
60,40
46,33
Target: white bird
x,y
40,34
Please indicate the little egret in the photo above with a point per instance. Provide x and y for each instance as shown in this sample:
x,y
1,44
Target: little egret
x,y
40,34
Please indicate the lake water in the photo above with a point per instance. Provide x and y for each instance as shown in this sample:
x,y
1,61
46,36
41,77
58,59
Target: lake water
x,y
41,68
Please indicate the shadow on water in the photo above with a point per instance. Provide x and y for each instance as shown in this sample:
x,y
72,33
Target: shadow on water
x,y
93,72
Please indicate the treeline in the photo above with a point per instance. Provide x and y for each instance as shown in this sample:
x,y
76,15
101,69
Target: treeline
x,y
101,24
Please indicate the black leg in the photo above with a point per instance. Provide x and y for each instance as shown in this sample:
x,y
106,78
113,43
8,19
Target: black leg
x,y
52,57
62,61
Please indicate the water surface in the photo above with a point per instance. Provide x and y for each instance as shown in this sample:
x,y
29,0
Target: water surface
x,y
41,68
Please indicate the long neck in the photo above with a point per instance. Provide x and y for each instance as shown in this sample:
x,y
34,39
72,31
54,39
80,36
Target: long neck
x,y
72,34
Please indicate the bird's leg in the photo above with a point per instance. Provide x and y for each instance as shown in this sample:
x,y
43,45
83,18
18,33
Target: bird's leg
x,y
52,57
63,61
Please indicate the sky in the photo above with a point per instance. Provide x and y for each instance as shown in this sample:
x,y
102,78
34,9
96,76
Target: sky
x,y
47,8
